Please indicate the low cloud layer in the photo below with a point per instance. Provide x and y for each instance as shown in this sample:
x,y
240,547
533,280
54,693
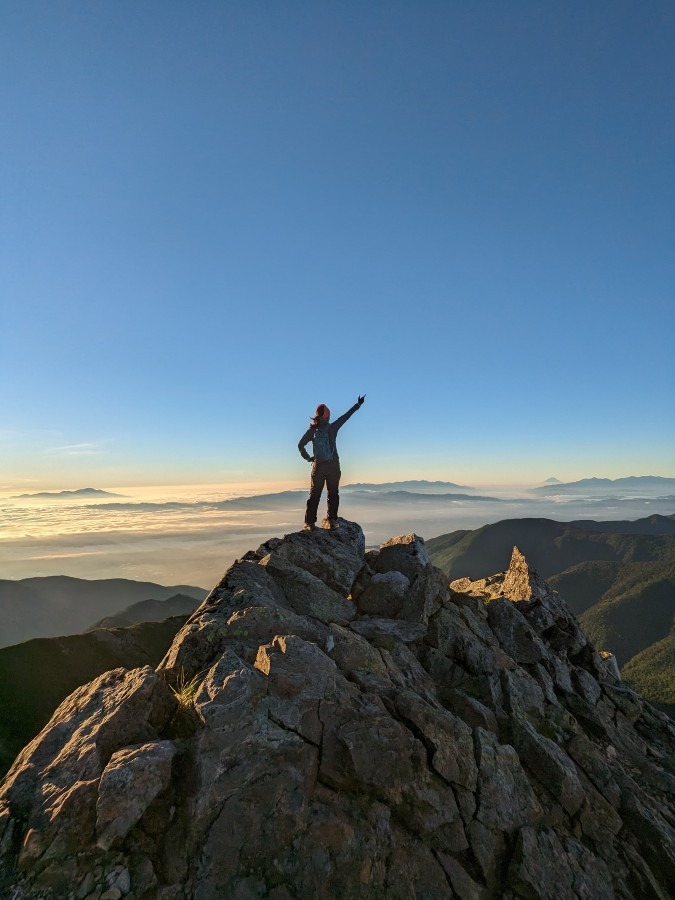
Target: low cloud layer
x,y
195,542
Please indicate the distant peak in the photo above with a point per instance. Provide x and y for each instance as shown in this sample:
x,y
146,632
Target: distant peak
x,y
421,485
62,495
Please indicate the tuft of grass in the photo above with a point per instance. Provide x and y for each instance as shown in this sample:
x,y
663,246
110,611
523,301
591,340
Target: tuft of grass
x,y
549,730
185,691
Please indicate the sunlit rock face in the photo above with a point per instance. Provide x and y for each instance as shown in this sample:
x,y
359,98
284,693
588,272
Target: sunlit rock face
x,y
333,722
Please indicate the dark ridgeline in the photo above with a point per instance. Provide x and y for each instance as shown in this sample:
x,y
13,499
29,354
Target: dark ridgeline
x,y
59,605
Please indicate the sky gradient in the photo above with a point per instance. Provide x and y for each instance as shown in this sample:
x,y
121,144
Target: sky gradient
x,y
217,215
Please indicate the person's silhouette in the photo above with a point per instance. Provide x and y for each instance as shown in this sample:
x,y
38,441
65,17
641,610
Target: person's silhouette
x,y
325,462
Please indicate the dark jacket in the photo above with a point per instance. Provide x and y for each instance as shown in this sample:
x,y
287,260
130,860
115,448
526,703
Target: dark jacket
x,y
333,428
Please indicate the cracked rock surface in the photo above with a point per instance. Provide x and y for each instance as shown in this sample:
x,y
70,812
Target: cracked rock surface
x,y
336,723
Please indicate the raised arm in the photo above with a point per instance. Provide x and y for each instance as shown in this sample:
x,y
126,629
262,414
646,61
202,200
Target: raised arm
x,y
338,423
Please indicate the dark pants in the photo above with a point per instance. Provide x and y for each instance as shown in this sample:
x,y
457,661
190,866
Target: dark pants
x,y
327,473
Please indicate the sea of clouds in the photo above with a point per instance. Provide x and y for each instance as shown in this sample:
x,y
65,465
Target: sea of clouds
x,y
191,536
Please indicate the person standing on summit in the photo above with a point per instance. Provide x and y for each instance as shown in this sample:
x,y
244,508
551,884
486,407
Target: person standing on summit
x,y
325,462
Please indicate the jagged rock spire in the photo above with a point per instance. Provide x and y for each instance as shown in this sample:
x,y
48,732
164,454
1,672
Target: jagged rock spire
x,y
520,581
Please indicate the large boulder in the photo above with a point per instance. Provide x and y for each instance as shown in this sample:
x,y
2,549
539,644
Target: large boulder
x,y
405,584
384,594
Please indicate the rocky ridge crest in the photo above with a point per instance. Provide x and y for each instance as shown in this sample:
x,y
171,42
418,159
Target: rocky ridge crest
x,y
345,723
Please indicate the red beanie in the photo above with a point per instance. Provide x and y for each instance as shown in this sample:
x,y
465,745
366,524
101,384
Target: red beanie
x,y
322,413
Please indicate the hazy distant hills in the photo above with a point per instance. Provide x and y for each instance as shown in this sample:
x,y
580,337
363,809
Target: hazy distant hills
x,y
81,493
57,605
420,497
149,611
401,492
637,485
394,490
37,675
621,584
418,486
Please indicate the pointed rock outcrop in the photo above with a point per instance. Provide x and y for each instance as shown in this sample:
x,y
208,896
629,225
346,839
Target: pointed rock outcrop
x,y
336,722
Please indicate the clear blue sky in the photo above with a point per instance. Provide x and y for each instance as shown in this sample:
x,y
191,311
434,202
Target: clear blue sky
x,y
216,215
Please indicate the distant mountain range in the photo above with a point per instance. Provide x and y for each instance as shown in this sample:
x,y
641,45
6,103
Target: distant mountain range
x,y
621,583
638,485
419,497
57,605
403,491
423,487
81,493
642,485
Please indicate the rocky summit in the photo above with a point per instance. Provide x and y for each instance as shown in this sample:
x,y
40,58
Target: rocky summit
x,y
340,723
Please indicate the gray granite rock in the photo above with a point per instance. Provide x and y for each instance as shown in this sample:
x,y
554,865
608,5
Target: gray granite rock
x,y
129,783
381,630
406,553
384,594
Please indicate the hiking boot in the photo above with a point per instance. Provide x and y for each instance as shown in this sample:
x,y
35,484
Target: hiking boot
x,y
308,527
330,524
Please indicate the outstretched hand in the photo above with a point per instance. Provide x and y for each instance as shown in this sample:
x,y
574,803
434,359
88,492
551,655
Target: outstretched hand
x,y
362,397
